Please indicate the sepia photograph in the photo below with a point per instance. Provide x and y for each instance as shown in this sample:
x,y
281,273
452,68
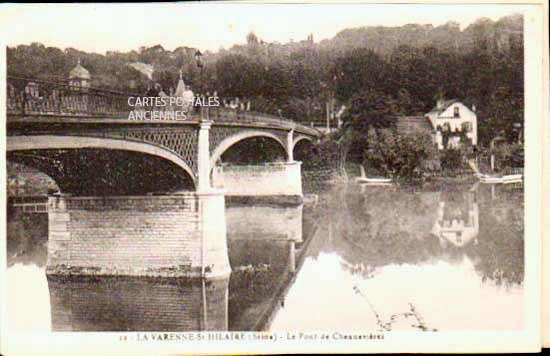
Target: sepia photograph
x,y
254,177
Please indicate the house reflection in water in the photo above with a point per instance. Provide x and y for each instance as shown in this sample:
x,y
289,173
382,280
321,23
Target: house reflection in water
x,y
457,218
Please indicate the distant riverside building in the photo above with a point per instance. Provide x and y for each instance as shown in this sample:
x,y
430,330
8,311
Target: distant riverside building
x,y
456,118
79,76
449,118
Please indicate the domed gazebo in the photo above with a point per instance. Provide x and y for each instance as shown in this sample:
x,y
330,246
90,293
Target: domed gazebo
x,y
79,76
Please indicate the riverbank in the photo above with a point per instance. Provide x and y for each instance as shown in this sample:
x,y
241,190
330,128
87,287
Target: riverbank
x,y
275,200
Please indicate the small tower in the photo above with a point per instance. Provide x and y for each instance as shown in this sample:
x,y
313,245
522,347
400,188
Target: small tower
x,y
79,76
183,91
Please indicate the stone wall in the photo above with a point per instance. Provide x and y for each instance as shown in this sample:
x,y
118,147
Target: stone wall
x,y
139,235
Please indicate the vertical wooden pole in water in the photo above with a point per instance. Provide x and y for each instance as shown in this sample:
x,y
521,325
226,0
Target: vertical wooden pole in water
x,y
204,306
328,118
292,256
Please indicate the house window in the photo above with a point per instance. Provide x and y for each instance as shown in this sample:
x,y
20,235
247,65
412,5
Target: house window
x,y
457,112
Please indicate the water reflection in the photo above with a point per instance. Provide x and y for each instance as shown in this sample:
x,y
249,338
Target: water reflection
x,y
137,304
263,241
389,259
263,244
382,259
457,218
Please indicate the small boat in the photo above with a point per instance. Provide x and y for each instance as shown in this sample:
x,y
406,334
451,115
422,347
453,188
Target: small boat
x,y
484,178
372,180
512,178
364,179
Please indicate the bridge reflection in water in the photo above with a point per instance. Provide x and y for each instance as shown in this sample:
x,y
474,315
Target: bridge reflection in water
x,y
292,265
110,169
86,303
262,246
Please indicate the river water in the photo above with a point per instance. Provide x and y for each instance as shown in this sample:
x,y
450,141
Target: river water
x,y
359,259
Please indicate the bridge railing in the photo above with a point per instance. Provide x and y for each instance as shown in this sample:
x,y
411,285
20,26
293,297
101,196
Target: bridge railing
x,y
38,97
228,115
32,97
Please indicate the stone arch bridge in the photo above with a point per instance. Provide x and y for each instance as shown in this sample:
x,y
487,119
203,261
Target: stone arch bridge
x,y
168,187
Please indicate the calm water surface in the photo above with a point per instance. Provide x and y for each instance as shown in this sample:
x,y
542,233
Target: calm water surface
x,y
370,258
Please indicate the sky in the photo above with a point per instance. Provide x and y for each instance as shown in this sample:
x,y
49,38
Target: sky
x,y
124,27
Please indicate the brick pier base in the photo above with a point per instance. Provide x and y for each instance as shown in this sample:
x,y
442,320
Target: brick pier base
x,y
170,235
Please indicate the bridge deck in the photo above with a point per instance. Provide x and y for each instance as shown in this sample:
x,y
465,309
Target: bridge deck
x,y
30,100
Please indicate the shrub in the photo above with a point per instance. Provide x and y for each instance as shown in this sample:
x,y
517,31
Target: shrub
x,y
399,155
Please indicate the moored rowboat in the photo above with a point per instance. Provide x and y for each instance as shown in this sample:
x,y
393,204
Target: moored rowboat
x,y
372,180
364,179
512,178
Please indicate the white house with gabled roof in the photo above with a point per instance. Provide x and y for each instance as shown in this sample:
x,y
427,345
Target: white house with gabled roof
x,y
454,117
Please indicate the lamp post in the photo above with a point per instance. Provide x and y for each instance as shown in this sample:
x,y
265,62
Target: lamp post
x,y
203,154
200,65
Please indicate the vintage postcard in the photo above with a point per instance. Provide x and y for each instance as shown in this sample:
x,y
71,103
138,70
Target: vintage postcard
x,y
261,177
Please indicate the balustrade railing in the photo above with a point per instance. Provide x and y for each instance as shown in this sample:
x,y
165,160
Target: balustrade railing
x,y
37,97
32,97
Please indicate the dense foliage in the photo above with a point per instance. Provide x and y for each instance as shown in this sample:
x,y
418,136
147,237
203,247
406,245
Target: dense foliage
x,y
373,71
398,155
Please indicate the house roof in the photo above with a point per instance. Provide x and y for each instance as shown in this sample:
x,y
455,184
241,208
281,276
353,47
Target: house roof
x,y
413,123
442,106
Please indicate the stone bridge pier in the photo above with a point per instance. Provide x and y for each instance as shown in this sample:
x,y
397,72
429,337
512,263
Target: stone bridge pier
x,y
270,179
168,235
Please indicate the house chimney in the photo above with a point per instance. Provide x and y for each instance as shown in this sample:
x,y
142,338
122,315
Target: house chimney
x,y
474,108
439,104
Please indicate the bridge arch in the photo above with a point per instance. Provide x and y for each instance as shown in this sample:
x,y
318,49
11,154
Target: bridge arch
x,y
301,146
231,140
301,138
44,142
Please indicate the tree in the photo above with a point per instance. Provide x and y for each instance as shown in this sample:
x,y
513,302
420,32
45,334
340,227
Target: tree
x,y
238,76
396,154
360,70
